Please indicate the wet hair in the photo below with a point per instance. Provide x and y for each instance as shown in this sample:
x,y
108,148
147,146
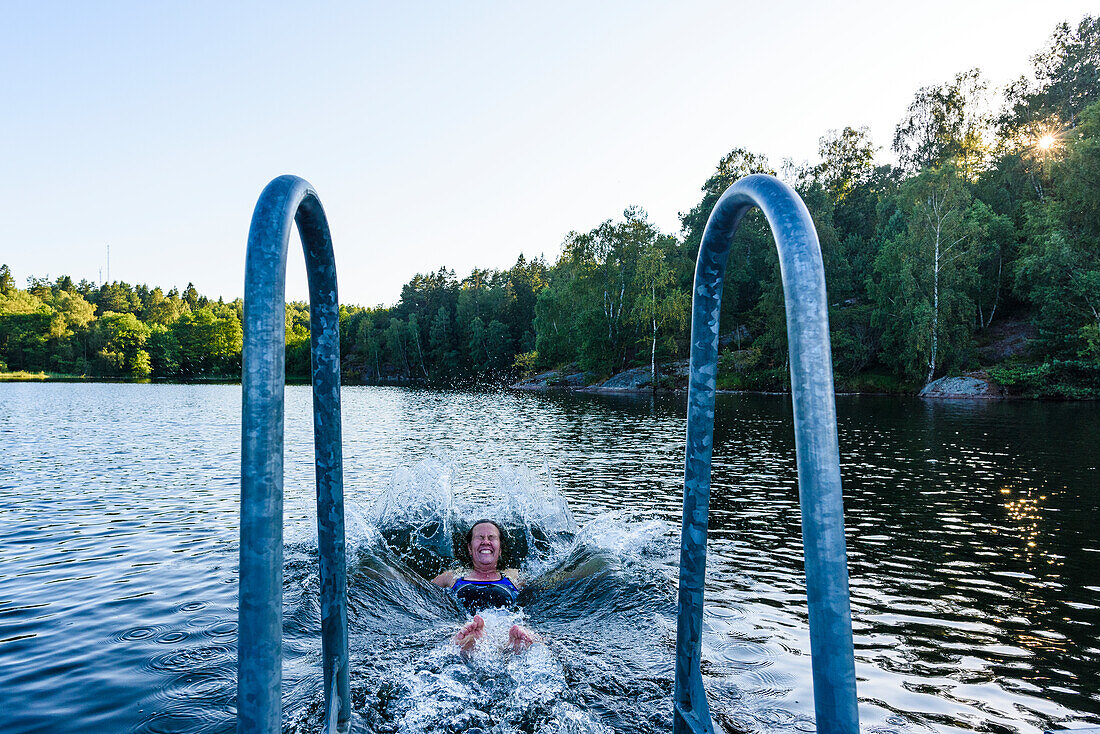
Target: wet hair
x,y
500,532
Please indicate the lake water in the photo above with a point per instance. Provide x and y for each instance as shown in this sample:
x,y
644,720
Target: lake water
x,y
972,539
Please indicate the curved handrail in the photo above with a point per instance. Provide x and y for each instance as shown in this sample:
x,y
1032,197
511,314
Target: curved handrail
x,y
815,449
285,200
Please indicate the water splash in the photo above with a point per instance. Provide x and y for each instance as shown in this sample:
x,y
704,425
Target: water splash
x,y
415,516
424,519
490,689
591,592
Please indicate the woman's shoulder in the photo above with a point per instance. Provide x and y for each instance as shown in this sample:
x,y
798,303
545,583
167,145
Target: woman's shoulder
x,y
512,574
448,578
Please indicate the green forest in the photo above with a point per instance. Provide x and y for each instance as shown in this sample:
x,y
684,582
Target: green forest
x,y
978,249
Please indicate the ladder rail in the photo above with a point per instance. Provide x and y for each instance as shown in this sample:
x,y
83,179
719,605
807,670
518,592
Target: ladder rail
x,y
816,450
285,201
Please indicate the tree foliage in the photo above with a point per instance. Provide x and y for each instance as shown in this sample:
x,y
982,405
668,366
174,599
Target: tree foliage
x,y
1065,79
947,122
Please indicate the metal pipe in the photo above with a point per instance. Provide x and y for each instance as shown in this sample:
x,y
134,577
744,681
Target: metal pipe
x,y
816,451
285,200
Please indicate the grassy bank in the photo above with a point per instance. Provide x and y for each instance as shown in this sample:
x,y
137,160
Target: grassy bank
x,y
22,376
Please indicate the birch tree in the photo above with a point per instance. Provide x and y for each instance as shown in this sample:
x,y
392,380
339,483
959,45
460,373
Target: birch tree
x,y
658,302
923,277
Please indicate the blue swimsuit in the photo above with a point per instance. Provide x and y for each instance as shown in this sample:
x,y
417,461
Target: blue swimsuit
x,y
477,595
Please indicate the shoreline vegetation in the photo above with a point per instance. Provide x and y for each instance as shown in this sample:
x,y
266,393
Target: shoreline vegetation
x,y
978,385
976,258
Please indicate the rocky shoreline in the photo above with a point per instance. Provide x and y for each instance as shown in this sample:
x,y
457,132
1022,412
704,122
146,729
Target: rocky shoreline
x,y
672,375
673,378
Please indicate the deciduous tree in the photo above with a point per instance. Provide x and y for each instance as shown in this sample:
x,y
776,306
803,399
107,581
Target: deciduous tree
x,y
924,275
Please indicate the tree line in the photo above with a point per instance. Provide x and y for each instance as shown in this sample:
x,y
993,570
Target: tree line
x,y
116,330
986,231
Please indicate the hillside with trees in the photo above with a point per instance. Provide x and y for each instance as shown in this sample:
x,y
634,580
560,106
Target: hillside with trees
x,y
978,249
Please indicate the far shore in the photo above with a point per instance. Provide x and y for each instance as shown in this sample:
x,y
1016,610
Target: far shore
x,y
22,376
981,388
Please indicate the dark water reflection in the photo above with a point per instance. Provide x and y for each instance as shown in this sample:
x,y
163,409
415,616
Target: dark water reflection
x,y
972,549
972,541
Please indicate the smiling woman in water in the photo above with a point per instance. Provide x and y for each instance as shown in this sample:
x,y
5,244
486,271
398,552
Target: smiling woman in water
x,y
485,585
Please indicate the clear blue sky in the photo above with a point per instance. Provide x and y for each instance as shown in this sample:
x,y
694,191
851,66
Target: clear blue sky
x,y
453,134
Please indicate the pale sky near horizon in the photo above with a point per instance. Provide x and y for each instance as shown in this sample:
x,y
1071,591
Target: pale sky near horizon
x,y
436,133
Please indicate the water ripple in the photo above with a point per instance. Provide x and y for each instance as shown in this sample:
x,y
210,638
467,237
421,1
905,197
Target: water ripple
x,y
972,553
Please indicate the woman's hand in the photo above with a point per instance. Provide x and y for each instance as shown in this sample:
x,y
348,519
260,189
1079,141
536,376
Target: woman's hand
x,y
519,639
468,636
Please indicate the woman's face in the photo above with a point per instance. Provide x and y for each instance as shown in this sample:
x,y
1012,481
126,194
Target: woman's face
x,y
484,546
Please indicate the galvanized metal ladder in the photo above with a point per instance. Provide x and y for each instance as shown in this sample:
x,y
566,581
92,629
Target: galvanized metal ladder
x,y
289,199
815,449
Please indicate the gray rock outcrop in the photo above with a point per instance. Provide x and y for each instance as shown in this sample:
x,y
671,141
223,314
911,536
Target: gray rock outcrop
x,y
972,385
